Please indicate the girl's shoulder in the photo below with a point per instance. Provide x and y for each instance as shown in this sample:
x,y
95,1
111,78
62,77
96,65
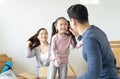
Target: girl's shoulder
x,y
55,36
37,48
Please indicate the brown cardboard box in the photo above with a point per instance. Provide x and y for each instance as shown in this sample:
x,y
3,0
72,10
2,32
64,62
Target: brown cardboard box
x,y
3,55
27,75
71,72
3,59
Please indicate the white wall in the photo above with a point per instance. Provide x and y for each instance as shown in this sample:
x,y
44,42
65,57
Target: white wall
x,y
20,19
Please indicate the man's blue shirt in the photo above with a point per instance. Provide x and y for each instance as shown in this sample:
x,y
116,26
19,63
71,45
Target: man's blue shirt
x,y
98,55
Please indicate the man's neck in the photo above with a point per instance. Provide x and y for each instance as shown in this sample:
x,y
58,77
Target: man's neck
x,y
83,27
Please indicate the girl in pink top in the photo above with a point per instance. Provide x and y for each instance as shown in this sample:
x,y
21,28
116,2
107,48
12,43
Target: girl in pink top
x,y
60,44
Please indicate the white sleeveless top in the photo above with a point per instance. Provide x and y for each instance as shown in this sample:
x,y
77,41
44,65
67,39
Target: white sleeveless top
x,y
43,57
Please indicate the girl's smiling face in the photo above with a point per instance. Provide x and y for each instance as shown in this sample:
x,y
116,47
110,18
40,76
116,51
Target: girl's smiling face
x,y
62,26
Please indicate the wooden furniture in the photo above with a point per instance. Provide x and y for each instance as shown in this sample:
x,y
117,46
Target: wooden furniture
x,y
115,45
27,75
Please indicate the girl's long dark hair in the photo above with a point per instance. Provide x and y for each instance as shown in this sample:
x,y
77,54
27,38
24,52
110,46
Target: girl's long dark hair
x,y
70,33
54,31
34,40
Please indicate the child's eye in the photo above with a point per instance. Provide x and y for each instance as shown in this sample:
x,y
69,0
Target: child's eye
x,y
65,24
61,24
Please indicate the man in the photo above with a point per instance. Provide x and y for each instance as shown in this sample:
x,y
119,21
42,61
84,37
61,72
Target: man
x,y
96,49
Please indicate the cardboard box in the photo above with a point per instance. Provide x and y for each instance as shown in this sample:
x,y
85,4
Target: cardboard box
x,y
27,75
3,55
71,72
3,59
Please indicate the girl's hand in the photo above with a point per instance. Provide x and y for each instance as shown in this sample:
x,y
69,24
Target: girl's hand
x,y
57,63
76,34
79,44
28,43
48,59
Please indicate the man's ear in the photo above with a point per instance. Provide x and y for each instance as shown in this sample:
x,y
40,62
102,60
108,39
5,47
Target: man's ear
x,y
73,21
